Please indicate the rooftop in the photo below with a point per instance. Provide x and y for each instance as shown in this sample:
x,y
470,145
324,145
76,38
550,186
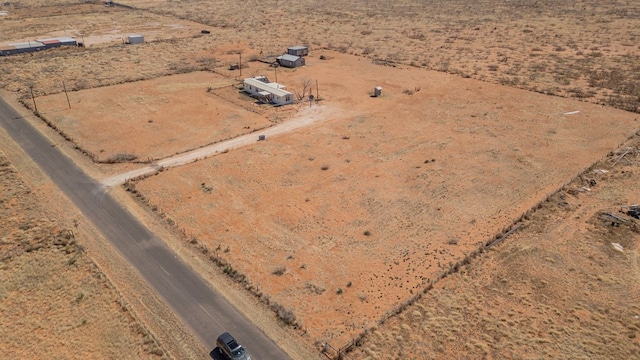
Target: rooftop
x,y
288,57
273,88
58,38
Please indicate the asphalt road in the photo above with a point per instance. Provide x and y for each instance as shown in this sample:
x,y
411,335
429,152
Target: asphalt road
x,y
201,308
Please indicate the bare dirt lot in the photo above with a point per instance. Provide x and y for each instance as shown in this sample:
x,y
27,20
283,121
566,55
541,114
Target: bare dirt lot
x,y
54,301
558,288
151,119
343,221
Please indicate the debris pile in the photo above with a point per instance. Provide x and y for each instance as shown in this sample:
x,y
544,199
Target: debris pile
x,y
634,211
631,155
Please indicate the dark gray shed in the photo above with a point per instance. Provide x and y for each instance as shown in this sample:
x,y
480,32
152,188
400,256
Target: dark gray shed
x,y
290,61
298,50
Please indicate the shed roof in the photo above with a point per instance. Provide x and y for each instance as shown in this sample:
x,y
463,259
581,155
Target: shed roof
x,y
298,47
135,36
288,57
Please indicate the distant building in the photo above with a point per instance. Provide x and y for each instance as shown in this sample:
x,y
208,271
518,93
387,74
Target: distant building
x,y
6,50
21,47
298,50
135,39
261,88
58,41
290,61
36,45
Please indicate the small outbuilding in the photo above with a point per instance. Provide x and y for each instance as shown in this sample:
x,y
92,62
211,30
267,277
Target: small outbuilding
x,y
135,39
298,50
290,61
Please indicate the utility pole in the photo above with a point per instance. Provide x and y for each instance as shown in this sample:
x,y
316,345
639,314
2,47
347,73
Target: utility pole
x,y
34,100
240,63
317,92
275,68
65,92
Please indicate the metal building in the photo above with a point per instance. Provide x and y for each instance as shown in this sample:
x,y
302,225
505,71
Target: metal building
x,y
298,50
135,39
22,47
290,61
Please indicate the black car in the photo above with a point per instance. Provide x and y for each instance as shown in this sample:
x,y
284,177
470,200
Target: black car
x,y
229,347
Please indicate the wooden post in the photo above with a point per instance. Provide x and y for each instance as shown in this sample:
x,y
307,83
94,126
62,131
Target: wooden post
x,y
34,100
65,92
276,70
317,92
240,63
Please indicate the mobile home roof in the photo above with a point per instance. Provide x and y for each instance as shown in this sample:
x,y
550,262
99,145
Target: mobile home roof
x,y
266,87
63,39
27,45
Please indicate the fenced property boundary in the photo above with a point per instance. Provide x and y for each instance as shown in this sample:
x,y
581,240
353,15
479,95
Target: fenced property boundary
x,y
342,353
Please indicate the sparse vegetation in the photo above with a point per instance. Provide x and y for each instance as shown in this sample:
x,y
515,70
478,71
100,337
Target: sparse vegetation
x,y
35,266
541,55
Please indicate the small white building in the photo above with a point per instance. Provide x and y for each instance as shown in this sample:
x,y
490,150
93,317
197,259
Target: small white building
x,y
262,88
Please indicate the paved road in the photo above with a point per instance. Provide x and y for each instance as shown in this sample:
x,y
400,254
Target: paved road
x,y
207,313
306,117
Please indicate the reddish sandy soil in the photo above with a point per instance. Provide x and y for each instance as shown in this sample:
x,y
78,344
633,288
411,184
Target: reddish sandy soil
x,y
555,289
346,220
359,212
150,119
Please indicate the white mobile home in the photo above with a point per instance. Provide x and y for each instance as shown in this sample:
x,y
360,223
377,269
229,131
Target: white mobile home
x,y
262,88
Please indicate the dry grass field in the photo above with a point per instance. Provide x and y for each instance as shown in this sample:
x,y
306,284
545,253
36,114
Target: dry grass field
x,y
556,289
54,301
585,49
92,24
342,224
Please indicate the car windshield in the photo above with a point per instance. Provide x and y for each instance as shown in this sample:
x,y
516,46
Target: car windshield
x,y
238,353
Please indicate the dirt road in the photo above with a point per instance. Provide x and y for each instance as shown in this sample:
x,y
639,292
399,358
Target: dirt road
x,y
307,116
